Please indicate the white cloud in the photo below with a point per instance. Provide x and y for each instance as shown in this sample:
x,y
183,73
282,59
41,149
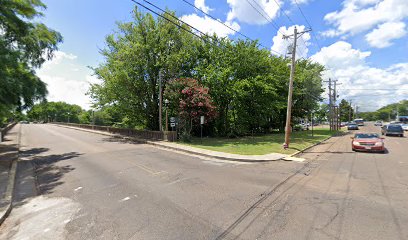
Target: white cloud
x,y
200,4
282,46
358,16
381,37
349,66
208,25
244,10
299,1
67,80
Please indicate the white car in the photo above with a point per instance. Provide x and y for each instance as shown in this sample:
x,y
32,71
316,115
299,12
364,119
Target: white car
x,y
404,126
378,123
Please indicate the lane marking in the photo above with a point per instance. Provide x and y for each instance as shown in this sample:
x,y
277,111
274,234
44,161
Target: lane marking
x,y
124,199
295,159
78,188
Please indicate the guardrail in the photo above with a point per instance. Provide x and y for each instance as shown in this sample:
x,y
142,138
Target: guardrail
x,y
170,136
3,131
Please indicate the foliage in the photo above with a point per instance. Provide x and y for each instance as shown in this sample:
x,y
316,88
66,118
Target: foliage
x,y
247,85
346,111
55,112
136,55
24,46
388,112
191,100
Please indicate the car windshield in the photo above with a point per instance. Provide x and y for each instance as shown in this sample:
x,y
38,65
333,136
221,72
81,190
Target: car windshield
x,y
366,135
353,124
394,127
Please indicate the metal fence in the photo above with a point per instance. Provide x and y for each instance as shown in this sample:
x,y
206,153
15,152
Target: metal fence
x,y
170,136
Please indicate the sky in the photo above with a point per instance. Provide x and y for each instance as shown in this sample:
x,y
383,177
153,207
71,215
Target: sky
x,y
362,43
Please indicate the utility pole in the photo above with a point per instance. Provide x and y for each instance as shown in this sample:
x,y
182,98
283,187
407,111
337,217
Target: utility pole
x,y
350,110
295,35
330,104
160,101
337,110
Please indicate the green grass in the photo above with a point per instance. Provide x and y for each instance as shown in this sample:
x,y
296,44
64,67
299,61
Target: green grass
x,y
259,145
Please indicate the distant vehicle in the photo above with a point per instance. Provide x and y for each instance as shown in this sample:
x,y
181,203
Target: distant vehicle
x,y
23,122
370,142
392,130
405,126
352,126
378,123
403,119
343,124
359,121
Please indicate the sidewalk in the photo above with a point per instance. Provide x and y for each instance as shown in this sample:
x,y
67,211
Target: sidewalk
x,y
8,166
193,150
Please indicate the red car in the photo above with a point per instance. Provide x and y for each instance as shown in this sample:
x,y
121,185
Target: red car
x,y
370,142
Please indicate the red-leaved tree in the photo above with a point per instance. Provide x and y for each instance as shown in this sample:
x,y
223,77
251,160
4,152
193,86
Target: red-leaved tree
x,y
191,100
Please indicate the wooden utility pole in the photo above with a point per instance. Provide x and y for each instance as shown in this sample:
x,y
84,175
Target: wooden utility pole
x,y
160,101
336,117
288,128
330,104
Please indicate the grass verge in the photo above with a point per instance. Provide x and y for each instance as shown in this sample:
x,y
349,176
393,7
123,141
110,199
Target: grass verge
x,y
259,145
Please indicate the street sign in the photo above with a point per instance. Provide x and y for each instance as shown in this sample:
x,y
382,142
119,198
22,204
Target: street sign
x,y
202,120
172,119
172,124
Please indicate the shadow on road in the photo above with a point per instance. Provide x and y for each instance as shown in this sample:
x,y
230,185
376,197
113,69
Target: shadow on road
x,y
49,173
39,173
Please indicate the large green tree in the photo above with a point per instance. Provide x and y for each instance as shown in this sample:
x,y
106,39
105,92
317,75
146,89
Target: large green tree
x,y
346,111
24,46
247,85
137,57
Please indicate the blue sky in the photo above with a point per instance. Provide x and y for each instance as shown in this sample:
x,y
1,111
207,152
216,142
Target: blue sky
x,y
364,42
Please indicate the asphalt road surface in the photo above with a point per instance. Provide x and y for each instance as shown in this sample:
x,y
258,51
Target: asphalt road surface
x,y
78,185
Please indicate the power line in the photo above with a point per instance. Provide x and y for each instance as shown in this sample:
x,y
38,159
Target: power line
x,y
269,20
301,12
167,19
215,19
236,31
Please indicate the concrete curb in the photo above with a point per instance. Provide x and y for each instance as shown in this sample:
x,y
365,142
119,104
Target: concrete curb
x,y
314,145
5,211
173,148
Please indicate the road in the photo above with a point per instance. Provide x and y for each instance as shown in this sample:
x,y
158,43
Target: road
x,y
78,185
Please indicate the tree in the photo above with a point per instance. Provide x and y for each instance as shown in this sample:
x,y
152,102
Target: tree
x,y
55,112
24,46
346,111
191,100
136,56
248,87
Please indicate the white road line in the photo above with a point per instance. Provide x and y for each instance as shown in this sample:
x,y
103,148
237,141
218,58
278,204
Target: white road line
x,y
78,188
124,199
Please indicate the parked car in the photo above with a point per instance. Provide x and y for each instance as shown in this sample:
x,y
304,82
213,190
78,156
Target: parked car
x,y
370,142
378,123
23,122
392,130
405,126
359,121
352,126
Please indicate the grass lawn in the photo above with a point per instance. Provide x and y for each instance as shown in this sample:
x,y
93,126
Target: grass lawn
x,y
259,145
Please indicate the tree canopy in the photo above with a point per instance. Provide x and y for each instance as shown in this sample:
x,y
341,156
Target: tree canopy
x,y
24,46
247,85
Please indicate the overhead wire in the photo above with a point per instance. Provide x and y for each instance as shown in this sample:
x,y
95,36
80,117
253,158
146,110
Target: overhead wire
x,y
236,31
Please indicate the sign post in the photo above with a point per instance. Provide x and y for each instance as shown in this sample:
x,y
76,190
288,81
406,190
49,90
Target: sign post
x,y
201,124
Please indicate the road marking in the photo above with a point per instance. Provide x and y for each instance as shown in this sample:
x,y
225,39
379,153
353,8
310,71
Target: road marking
x,y
46,230
78,188
149,170
124,199
295,159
